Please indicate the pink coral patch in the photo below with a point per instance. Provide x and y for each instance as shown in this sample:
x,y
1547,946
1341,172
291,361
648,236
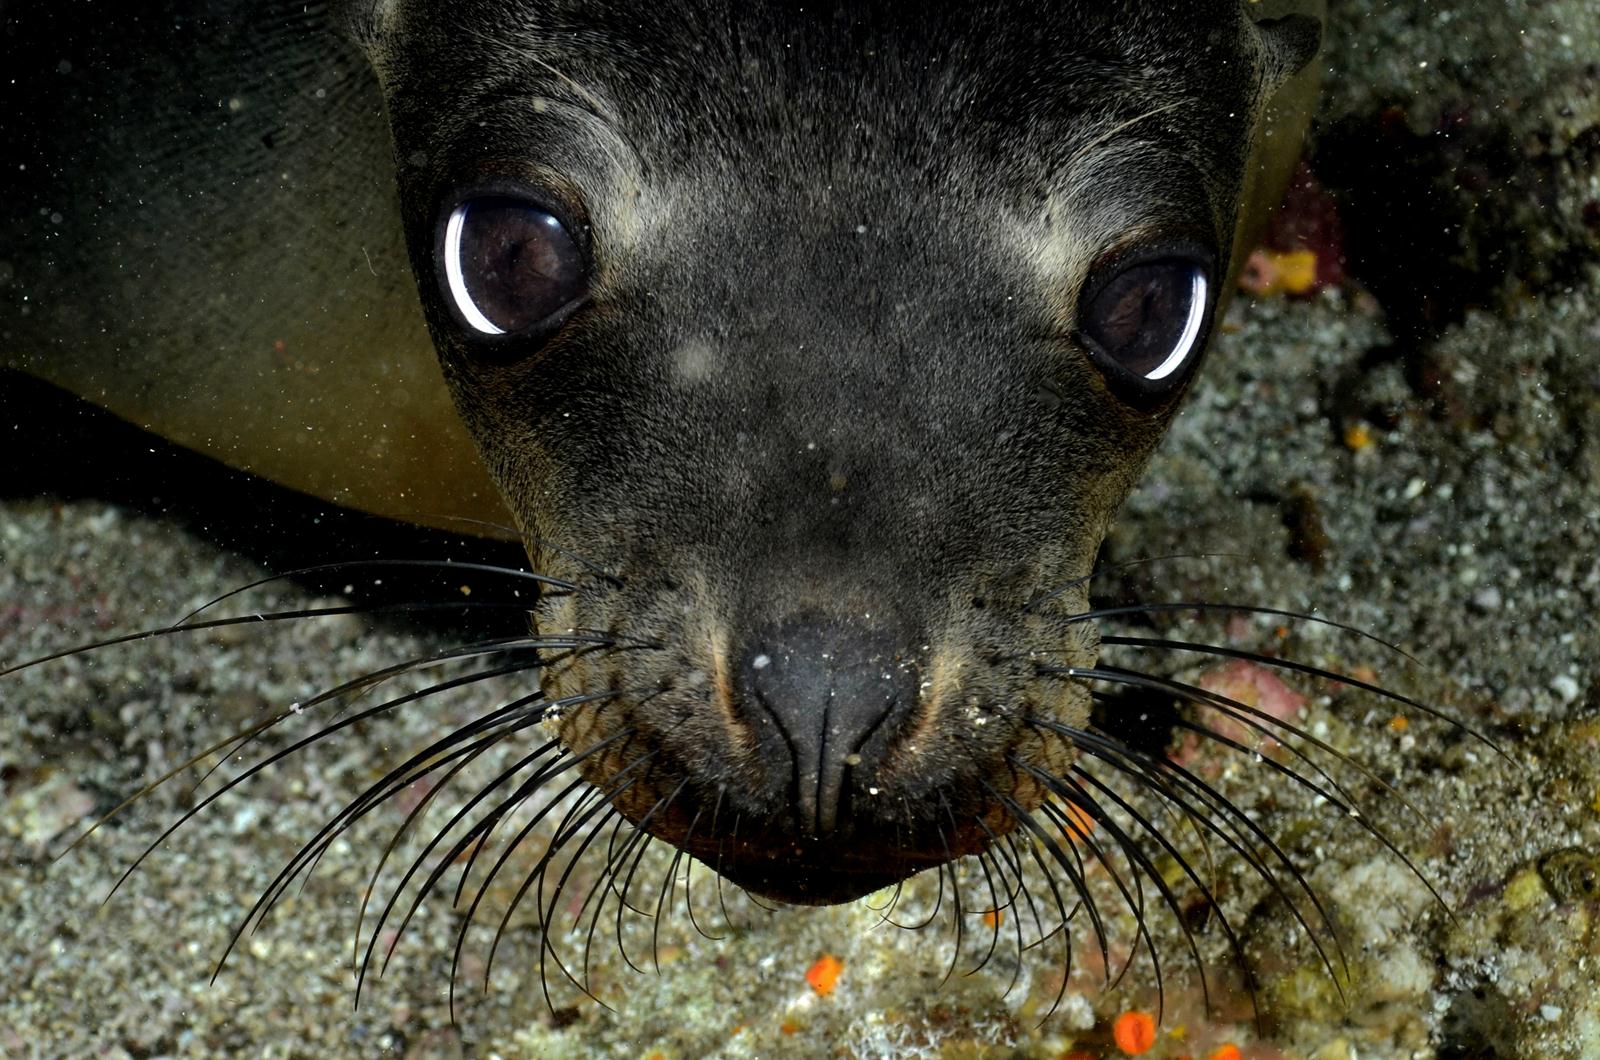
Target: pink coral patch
x,y
1252,686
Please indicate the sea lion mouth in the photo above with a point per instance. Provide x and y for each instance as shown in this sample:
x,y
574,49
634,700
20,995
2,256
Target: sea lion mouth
x,y
819,872
819,762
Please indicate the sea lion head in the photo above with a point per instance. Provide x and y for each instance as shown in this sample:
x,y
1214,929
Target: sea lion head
x,y
834,338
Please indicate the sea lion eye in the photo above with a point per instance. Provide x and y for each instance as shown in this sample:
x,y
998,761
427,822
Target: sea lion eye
x,y
509,264
1146,322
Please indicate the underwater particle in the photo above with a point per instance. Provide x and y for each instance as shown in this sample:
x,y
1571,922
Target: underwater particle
x,y
993,918
1358,437
1134,1032
823,975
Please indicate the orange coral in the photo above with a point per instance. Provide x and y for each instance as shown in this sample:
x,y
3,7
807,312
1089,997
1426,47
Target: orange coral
x,y
1134,1032
823,975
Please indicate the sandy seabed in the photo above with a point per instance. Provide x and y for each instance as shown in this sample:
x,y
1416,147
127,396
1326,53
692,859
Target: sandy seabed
x,y
1415,451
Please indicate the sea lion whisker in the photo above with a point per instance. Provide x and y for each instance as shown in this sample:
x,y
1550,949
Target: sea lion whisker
x,y
512,717
1258,721
591,802
1264,722
1077,796
485,827
1133,899
541,581
559,837
688,883
463,761
956,919
716,870
733,841
1353,811
1205,891
553,711
1000,852
946,868
663,803
992,914
889,906
251,771
761,903
1043,935
428,760
481,828
1142,561
417,767
546,913
529,539
473,835
356,689
1205,607
1016,918
1075,875
1085,901
938,904
602,888
664,895
1154,774
264,618
563,835
1309,670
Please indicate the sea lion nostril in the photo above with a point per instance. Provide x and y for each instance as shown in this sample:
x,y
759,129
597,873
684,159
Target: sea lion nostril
x,y
819,693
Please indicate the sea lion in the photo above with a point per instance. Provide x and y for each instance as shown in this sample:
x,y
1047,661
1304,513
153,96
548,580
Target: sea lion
x,y
830,340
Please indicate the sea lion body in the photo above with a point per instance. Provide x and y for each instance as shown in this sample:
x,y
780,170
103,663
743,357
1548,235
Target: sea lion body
x,y
823,390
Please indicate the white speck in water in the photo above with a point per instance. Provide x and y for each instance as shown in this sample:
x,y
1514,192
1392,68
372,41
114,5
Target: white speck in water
x,y
761,662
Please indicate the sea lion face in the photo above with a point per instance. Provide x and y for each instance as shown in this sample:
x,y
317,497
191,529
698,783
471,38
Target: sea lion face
x,y
834,339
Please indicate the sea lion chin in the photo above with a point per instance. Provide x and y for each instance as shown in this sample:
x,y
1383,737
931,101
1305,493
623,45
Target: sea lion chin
x,y
833,341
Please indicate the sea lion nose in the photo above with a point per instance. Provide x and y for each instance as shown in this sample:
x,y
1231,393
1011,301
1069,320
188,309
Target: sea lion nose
x,y
828,690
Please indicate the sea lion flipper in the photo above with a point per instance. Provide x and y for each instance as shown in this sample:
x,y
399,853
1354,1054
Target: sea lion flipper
x,y
1291,42
204,240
